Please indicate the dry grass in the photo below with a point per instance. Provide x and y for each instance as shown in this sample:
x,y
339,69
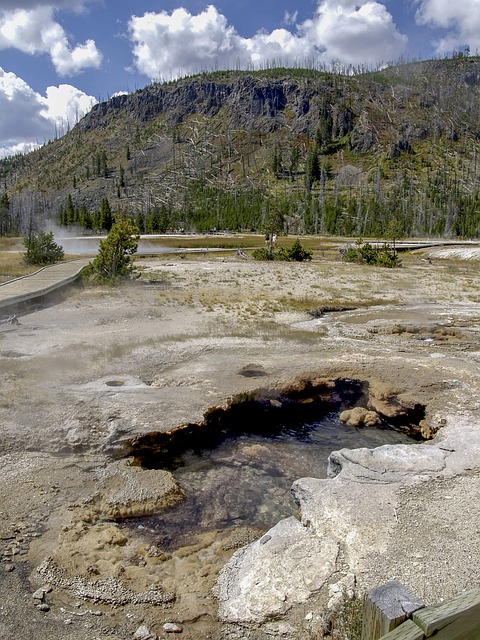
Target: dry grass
x,y
10,244
255,294
13,266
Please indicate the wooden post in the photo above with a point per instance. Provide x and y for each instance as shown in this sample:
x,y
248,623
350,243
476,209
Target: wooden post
x,y
386,608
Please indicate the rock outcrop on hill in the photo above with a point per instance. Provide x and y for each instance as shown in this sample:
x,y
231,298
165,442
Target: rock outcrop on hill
x,y
215,149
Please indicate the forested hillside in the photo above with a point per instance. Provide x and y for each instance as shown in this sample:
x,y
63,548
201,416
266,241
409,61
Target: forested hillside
x,y
294,150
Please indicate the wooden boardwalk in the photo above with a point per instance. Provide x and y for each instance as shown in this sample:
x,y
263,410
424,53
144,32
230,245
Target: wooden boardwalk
x,y
40,283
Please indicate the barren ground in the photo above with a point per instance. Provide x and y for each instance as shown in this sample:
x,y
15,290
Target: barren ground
x,y
81,376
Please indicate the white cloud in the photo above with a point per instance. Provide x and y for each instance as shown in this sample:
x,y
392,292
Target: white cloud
x,y
169,45
36,31
280,45
356,32
67,104
461,19
28,119
71,61
178,43
22,111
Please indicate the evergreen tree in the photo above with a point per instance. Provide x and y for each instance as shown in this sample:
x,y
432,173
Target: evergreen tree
x,y
69,211
313,169
4,214
277,163
103,165
323,136
85,219
42,248
114,258
141,223
105,217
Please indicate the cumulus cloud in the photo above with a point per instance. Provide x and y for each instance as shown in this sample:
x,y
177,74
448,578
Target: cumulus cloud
x,y
173,44
355,32
29,119
461,19
35,30
22,110
67,104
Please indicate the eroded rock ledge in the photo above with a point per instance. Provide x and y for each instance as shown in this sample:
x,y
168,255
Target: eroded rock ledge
x,y
262,411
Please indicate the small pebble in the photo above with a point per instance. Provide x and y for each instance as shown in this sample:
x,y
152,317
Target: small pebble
x,y
171,627
144,633
43,607
42,592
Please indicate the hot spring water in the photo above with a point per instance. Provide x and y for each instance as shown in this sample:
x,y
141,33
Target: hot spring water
x,y
245,480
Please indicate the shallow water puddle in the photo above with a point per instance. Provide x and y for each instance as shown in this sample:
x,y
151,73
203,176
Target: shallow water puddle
x,y
245,480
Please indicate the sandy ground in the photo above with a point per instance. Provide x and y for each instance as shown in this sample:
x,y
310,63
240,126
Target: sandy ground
x,y
81,376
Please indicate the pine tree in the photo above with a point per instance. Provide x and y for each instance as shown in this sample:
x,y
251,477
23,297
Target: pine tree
x,y
70,211
42,248
114,258
85,219
105,219
4,214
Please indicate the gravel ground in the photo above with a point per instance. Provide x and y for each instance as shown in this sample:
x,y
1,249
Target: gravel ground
x,y
81,377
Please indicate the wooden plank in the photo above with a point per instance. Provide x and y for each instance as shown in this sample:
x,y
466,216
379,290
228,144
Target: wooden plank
x,y
455,619
386,608
40,283
408,630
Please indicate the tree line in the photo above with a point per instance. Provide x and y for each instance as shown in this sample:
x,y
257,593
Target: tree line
x,y
399,144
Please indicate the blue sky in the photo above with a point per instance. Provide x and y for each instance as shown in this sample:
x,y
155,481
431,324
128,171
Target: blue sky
x,y
59,57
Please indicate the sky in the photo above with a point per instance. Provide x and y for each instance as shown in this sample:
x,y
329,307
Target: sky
x,y
59,57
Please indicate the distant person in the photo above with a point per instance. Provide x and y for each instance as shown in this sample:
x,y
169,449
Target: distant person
x,y
267,239
274,240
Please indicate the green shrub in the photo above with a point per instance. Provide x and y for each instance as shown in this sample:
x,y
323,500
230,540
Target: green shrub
x,y
367,254
296,253
264,254
42,249
388,258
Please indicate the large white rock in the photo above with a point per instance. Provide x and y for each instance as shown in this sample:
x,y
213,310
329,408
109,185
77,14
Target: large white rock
x,y
388,463
281,569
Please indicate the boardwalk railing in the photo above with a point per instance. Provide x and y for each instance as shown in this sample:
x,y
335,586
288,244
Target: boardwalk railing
x,y
392,612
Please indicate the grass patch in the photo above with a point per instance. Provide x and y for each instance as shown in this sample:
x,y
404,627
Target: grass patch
x,y
347,623
248,241
11,244
13,266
